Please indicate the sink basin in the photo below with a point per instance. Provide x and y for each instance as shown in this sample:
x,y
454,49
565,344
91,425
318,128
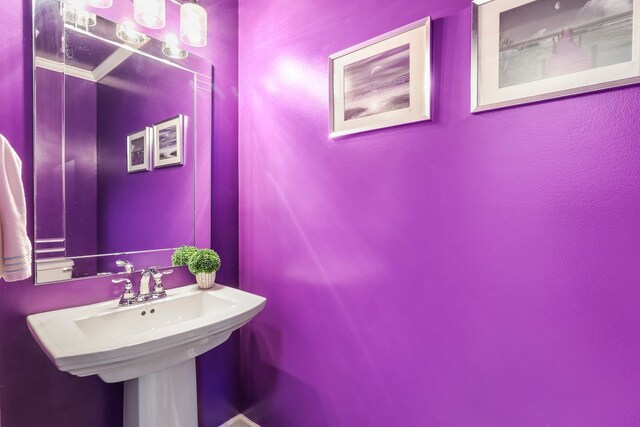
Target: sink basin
x,y
121,343
146,345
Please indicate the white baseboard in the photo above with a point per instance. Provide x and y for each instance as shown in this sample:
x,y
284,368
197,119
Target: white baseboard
x,y
240,421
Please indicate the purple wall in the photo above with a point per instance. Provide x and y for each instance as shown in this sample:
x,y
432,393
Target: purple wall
x,y
477,270
162,197
26,375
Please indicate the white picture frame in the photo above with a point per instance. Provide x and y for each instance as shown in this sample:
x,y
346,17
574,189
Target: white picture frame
x,y
523,53
168,143
383,82
138,151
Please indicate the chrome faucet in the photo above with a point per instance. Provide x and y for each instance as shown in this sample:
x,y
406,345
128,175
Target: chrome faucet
x,y
144,293
143,289
129,297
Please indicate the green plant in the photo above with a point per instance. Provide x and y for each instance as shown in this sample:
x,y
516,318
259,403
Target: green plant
x,y
204,261
182,254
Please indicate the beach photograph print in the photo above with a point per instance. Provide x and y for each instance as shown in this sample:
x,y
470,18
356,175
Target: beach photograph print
x,y
138,151
168,144
378,84
382,82
550,38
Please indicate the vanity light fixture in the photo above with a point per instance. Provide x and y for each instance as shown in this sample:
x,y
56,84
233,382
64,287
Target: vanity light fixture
x,y
170,48
127,34
150,13
193,24
100,4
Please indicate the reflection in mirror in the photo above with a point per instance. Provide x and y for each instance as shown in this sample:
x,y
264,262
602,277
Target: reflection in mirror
x,y
119,125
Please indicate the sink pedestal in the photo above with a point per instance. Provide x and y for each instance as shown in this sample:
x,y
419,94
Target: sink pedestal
x,y
167,398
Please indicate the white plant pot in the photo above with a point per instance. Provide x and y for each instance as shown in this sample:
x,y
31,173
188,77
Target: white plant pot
x,y
206,280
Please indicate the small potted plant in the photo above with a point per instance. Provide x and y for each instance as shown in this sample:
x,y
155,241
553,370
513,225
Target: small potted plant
x,y
203,264
182,254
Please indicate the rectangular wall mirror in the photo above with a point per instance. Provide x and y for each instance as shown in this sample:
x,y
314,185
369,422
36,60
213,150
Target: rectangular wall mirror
x,y
122,145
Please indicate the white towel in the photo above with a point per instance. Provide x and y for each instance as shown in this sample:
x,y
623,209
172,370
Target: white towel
x,y
15,246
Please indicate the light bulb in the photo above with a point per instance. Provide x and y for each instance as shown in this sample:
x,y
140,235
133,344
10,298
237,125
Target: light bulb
x,y
128,34
170,48
174,52
150,13
193,24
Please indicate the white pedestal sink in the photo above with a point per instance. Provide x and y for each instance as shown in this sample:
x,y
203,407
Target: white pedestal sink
x,y
151,347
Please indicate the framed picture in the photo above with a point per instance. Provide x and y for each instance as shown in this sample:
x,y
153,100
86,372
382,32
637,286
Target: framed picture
x,y
530,50
138,151
382,82
168,144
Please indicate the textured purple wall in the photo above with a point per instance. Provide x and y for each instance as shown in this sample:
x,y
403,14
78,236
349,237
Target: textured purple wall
x,y
477,270
32,391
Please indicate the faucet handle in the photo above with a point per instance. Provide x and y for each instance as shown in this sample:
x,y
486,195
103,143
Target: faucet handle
x,y
128,267
128,297
157,273
158,289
